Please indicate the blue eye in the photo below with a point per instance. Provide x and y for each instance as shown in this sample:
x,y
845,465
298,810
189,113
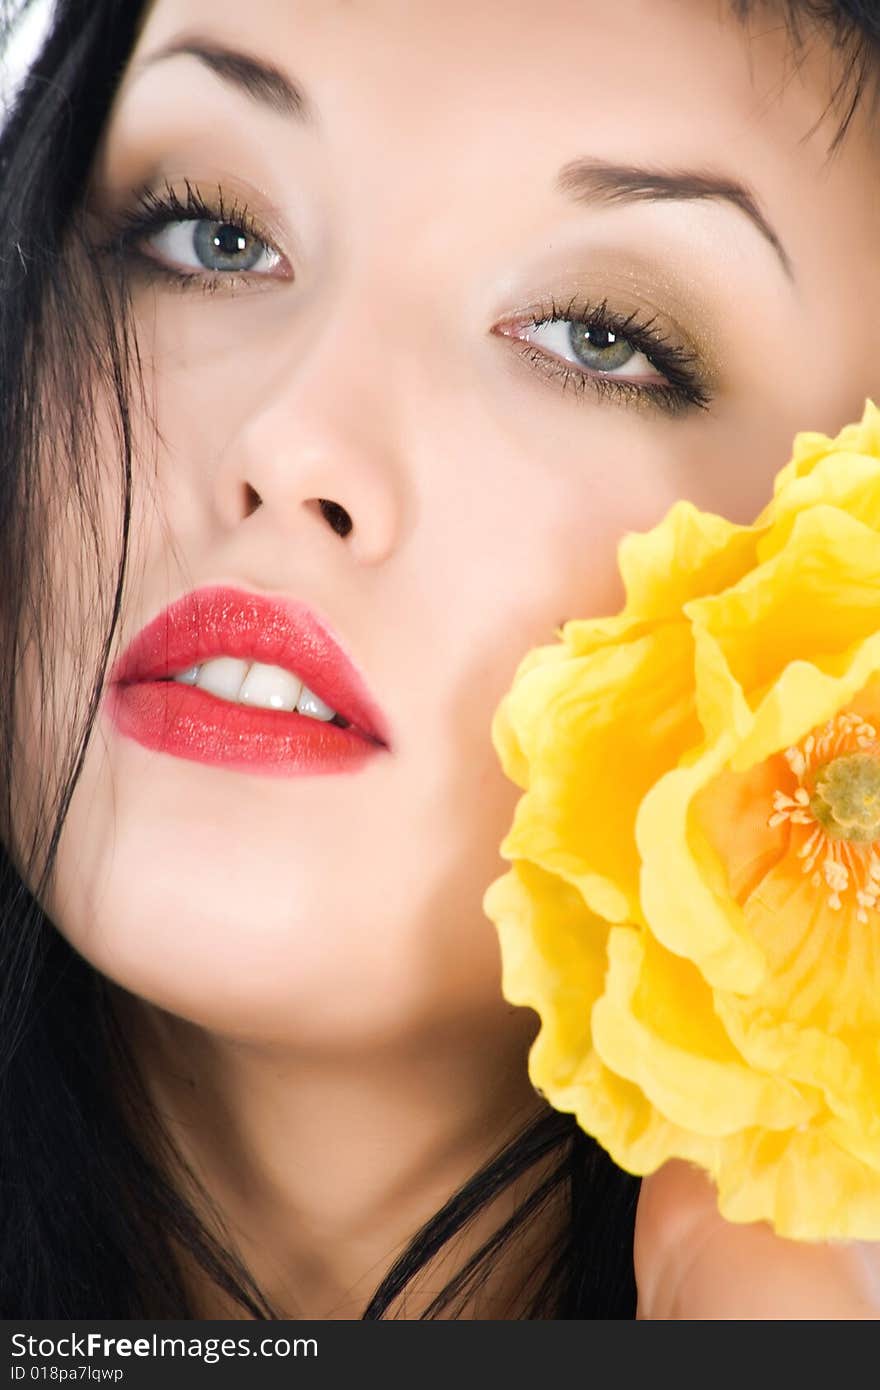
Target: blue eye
x,y
622,356
218,247
594,347
191,240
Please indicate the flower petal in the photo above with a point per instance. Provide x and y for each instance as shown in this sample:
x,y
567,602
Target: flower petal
x,y
684,887
655,1025
638,1137
688,553
694,903
804,1182
553,953
811,447
585,785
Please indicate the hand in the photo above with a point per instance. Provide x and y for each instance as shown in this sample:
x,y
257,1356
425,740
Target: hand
x,y
691,1263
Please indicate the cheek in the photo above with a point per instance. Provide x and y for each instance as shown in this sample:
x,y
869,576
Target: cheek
x,y
327,911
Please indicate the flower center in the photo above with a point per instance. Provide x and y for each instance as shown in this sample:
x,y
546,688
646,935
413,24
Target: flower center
x,y
846,797
838,798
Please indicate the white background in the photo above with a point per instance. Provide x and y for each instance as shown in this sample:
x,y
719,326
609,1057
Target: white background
x,y
26,39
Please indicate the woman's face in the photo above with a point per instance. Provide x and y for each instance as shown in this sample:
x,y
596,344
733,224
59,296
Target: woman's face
x,y
454,178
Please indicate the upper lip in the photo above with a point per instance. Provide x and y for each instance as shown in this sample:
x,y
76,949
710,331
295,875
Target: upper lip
x,y
220,621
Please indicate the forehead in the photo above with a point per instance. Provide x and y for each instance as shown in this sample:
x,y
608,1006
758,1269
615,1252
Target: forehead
x,y
466,112
682,72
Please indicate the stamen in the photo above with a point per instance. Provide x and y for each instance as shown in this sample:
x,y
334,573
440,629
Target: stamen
x,y
838,794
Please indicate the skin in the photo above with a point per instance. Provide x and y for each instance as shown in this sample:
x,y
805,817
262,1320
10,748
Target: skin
x,y
313,989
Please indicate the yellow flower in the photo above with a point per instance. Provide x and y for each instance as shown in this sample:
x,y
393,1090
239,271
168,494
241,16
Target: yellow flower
x,y
693,902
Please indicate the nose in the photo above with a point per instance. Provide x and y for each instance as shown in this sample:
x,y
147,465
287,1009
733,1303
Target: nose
x,y
317,449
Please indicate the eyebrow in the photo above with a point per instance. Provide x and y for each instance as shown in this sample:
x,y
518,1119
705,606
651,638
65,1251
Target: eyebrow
x,y
584,180
593,181
262,82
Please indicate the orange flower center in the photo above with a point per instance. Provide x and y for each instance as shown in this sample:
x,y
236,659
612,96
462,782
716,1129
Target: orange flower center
x,y
838,798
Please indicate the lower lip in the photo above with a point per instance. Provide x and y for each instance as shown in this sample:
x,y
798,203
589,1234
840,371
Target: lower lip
x,y
186,722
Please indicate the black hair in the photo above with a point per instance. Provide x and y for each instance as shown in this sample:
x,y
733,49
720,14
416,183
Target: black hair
x,y
854,28
99,1214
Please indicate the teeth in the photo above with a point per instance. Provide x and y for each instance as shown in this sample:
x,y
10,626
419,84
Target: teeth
x,y
266,687
308,703
270,688
223,677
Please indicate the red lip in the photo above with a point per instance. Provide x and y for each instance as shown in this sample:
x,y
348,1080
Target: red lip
x,y
217,621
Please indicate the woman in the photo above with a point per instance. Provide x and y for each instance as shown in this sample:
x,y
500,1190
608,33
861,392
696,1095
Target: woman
x,y
340,345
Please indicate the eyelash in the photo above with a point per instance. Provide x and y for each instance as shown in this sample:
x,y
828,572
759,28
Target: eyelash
x,y
152,212
683,389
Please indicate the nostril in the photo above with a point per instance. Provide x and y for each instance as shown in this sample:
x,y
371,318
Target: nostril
x,y
337,516
252,500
